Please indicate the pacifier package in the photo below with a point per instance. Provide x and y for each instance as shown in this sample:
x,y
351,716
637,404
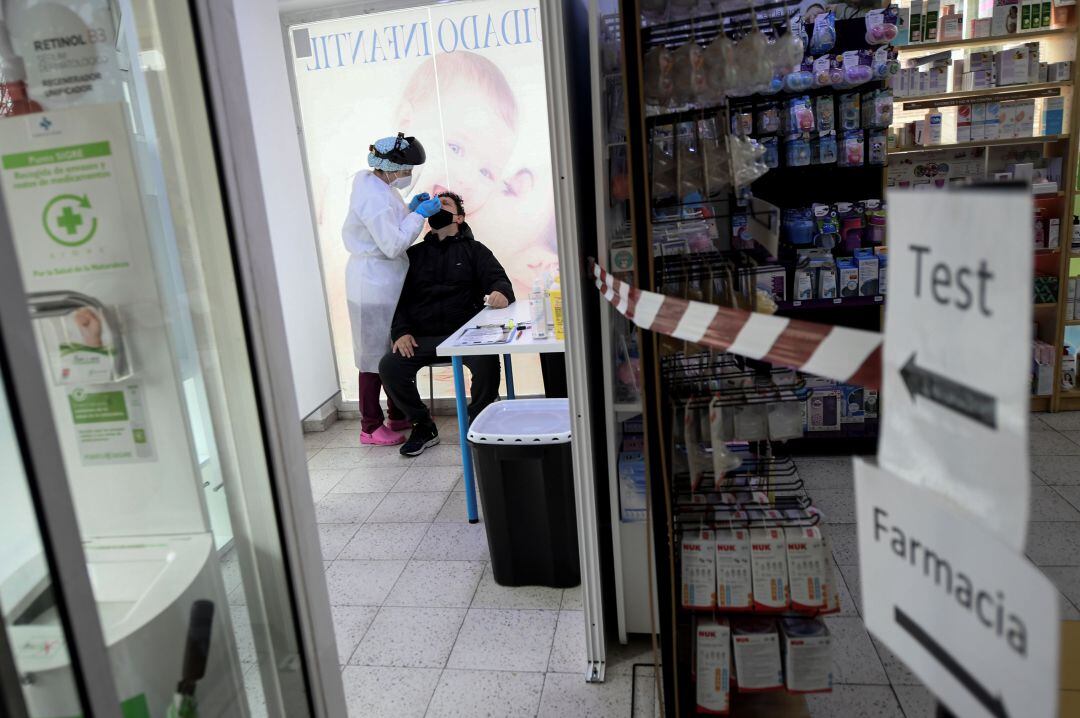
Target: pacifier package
x,y
698,556
806,568
807,650
734,586
712,661
768,565
756,649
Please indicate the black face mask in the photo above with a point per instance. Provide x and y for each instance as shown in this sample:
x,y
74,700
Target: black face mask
x,y
440,219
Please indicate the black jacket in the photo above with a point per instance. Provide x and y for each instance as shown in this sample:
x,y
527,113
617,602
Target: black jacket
x,y
446,284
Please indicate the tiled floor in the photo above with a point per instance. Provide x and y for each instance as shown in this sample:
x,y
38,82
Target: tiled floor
x,y
424,630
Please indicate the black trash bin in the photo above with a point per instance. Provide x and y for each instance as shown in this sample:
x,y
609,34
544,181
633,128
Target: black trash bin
x,y
521,458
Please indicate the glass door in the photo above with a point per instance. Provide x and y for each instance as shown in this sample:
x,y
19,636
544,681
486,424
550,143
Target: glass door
x,y
116,220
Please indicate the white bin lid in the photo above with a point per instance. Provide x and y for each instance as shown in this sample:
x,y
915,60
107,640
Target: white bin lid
x,y
523,421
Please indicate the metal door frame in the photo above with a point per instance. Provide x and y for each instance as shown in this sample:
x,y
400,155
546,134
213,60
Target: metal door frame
x,y
232,122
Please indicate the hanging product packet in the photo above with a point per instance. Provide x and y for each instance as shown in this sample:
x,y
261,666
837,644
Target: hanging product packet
x,y
734,584
723,459
82,346
712,663
692,439
768,565
698,558
807,563
756,649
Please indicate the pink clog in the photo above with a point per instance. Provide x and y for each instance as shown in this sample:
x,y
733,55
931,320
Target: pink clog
x,y
381,437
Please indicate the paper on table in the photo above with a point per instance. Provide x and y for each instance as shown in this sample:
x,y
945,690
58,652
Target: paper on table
x,y
484,335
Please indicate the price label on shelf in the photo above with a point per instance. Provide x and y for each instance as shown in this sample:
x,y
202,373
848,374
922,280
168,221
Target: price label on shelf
x,y
973,619
957,358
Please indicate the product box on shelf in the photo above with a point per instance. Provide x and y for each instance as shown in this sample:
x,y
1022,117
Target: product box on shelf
x,y
756,649
903,26
978,121
1012,66
823,410
698,556
851,405
916,32
734,585
951,27
992,123
867,262
1053,116
768,569
632,486
807,649
1005,17
930,23
981,27
712,660
806,562
1059,71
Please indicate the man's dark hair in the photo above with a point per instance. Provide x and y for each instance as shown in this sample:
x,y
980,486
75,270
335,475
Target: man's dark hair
x,y
460,203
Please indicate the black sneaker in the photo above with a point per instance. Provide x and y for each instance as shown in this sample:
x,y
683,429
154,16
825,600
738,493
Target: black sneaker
x,y
423,436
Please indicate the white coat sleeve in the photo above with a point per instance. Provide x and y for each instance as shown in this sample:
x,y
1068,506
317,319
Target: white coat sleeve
x,y
393,234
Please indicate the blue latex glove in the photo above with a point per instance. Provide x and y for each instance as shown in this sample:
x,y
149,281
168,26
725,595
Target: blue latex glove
x,y
428,207
417,199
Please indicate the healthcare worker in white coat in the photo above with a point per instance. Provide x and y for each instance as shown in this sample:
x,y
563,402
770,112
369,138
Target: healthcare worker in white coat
x,y
377,231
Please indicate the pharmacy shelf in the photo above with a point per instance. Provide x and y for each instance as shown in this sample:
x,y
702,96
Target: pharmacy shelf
x,y
1072,322
782,307
1046,305
627,407
1016,37
1044,139
1040,403
1004,94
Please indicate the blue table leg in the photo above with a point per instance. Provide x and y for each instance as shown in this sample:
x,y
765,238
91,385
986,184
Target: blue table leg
x,y
509,377
463,436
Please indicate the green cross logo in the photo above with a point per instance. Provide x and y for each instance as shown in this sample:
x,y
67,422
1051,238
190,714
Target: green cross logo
x,y
69,220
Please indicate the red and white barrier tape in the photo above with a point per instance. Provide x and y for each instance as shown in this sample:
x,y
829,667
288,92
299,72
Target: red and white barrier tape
x,y
851,356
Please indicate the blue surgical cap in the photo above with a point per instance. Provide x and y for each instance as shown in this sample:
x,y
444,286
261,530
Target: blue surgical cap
x,y
386,144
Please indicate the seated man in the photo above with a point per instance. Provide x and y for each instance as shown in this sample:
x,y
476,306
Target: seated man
x,y
449,275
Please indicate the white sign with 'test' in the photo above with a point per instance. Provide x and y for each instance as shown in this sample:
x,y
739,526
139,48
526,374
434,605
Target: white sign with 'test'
x,y
957,355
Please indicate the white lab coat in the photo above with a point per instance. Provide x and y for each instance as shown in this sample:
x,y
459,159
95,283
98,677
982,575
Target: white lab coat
x,y
377,231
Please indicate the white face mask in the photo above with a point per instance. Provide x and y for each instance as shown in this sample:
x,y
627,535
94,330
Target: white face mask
x,y
401,182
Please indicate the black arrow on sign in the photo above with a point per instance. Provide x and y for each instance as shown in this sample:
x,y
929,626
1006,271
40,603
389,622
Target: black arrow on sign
x,y
993,704
972,403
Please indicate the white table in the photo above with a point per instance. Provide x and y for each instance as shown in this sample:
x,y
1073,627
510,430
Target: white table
x,y
523,343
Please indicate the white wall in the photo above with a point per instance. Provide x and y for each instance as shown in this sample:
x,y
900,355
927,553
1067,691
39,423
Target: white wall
x,y
307,326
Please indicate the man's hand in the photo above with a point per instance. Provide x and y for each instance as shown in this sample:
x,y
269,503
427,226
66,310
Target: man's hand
x,y
497,300
406,344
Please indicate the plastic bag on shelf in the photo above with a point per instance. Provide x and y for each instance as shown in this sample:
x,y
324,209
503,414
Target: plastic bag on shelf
x,y
690,81
659,76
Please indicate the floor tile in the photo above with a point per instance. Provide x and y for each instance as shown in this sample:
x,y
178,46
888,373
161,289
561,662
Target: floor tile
x,y
309,454
1052,543
1045,443
572,599
854,657
826,473
844,543
386,457
916,701
369,480
384,541
444,455
848,607
333,537
454,508
895,668
1069,611
1049,504
1038,424
1073,436
855,702
350,624
378,691
854,584
567,694
645,703
1067,579
1062,421
429,478
1070,494
491,595
637,650
323,481
459,541
415,507
495,639
442,584
838,505
410,637
316,439
337,458
237,597
1057,470
362,583
346,508
568,649
229,565
486,694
